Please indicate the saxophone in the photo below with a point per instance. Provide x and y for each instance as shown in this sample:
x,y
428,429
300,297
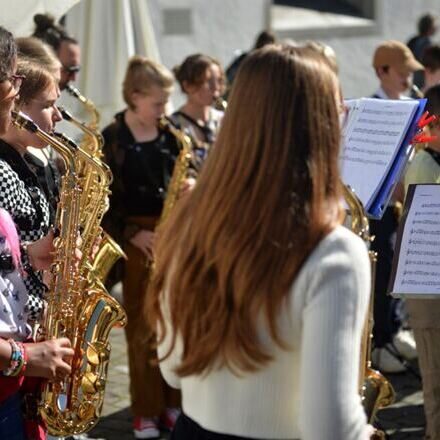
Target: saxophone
x,y
78,308
180,168
109,251
376,392
179,175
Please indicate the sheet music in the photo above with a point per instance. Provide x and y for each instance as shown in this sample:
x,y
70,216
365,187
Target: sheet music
x,y
416,270
371,139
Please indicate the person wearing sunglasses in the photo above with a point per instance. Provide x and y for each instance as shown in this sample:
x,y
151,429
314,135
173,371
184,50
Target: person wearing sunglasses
x,y
66,47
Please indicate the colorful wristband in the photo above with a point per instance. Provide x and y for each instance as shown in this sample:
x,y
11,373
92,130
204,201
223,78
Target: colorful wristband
x,y
18,361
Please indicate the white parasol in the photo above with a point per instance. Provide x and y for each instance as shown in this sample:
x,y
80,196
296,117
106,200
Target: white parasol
x,y
109,33
17,16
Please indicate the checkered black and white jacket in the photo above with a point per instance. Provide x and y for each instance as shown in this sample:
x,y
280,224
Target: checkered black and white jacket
x,y
22,197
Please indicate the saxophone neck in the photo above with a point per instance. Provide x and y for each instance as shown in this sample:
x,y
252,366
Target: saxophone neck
x,y
76,122
61,143
88,131
167,125
87,103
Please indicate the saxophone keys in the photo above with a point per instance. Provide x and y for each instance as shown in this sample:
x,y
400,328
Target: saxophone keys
x,y
88,383
86,411
92,355
97,353
91,383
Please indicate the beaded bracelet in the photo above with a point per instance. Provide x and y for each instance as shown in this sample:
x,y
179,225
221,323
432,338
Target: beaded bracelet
x,y
18,363
25,359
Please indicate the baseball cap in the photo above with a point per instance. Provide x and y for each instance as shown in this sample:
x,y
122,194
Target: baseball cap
x,y
397,55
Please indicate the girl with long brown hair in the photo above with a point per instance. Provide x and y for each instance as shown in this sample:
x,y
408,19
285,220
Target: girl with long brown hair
x,y
260,294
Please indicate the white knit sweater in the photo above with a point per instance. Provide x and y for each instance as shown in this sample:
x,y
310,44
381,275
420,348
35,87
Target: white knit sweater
x,y
311,391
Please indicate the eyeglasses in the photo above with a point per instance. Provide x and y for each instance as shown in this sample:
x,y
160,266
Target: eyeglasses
x,y
72,69
16,81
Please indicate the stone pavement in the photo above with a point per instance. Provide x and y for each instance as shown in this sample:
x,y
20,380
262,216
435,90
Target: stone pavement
x,y
403,420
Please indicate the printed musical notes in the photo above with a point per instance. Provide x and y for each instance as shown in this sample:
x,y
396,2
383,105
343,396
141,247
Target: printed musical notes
x,y
372,138
416,265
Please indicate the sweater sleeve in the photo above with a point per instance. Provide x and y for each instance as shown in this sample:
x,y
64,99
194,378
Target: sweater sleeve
x,y
333,318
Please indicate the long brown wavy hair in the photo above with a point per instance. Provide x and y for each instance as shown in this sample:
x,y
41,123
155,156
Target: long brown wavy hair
x,y
269,192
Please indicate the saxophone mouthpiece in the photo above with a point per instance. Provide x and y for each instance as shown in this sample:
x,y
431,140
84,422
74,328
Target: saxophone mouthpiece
x,y
24,122
417,92
220,104
73,91
163,123
65,114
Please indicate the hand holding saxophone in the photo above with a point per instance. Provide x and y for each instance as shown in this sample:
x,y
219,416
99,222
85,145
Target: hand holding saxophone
x,y
187,185
40,252
49,359
374,434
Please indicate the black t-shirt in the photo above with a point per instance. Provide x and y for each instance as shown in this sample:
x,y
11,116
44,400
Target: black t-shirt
x,y
141,170
146,173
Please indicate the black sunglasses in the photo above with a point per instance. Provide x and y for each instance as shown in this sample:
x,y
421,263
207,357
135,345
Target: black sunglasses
x,y
72,69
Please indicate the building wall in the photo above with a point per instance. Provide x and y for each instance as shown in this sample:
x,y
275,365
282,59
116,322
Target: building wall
x,y
218,27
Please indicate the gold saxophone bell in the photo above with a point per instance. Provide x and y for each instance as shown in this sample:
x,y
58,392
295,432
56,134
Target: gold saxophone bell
x,y
108,253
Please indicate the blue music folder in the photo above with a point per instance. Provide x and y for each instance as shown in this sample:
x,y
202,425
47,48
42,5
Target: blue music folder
x,y
376,148
379,204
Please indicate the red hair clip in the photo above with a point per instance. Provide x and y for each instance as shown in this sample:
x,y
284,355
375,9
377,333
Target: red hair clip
x,y
425,120
422,139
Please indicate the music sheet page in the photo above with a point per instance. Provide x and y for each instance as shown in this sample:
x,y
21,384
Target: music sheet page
x,y
371,139
416,265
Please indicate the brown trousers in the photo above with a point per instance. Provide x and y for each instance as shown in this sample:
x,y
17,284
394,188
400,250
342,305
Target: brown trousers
x,y
424,317
150,394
